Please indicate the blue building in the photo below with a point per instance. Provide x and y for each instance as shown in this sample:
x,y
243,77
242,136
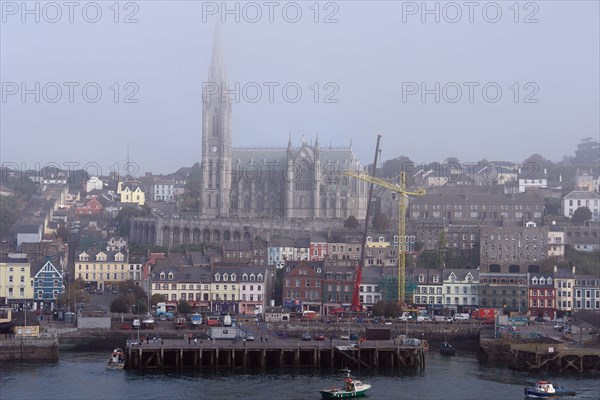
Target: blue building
x,y
47,285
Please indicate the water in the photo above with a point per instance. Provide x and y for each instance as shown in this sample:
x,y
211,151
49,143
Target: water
x,y
81,376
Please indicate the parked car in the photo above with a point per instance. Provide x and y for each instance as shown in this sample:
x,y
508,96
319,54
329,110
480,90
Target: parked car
x,y
319,336
126,327
354,336
249,337
423,318
306,336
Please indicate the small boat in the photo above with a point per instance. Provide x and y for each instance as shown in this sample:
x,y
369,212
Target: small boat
x,y
352,388
179,322
545,389
148,321
447,349
196,319
116,360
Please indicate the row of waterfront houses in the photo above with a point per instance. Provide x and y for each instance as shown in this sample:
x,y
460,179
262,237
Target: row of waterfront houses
x,y
305,285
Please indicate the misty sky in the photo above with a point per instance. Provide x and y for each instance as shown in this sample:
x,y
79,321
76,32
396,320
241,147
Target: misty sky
x,y
375,59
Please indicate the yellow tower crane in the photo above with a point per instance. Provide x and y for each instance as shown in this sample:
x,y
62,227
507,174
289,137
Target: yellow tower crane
x,y
402,242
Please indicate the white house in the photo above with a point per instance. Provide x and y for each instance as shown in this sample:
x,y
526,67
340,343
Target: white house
x,y
163,190
461,287
94,183
576,199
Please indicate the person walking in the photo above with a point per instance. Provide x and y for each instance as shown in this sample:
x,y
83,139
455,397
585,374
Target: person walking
x,y
189,338
195,341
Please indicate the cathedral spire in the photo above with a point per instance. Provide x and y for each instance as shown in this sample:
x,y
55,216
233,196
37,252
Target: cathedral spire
x,y
317,142
216,71
290,142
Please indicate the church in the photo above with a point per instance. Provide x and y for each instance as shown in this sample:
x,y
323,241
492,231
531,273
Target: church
x,y
306,180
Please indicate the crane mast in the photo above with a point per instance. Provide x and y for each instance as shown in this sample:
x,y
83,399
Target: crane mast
x,y
355,306
402,194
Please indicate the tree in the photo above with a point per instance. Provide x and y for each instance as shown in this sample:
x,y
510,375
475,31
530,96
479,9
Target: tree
x,y
581,215
392,168
379,308
73,294
157,298
351,222
119,305
184,307
587,152
392,309
381,222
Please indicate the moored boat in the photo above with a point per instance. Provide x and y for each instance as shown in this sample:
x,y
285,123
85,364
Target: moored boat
x,y
116,359
148,321
352,388
179,322
545,389
447,349
196,319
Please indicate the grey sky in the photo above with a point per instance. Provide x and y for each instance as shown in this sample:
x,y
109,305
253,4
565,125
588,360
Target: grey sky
x,y
370,55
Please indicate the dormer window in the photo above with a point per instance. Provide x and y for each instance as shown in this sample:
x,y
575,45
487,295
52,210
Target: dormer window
x,y
217,277
436,278
233,277
421,278
259,277
534,281
225,277
318,270
170,276
252,277
162,276
245,276
542,281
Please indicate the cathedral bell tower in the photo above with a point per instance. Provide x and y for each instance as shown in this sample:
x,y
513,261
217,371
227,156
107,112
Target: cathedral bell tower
x,y
216,138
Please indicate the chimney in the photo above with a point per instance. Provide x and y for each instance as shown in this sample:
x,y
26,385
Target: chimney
x,y
573,270
555,269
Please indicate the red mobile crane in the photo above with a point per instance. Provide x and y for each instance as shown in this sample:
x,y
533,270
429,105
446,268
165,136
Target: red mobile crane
x,y
356,306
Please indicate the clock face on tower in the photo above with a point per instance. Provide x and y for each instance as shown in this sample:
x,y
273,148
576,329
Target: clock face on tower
x,y
213,149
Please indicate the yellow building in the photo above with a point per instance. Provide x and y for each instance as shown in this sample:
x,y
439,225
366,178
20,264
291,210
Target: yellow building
x,y
131,193
101,268
16,283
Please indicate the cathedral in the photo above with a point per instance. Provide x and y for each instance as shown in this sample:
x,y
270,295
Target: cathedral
x,y
294,181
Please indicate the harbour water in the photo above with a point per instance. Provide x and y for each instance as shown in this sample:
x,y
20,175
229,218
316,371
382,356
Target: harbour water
x,y
84,376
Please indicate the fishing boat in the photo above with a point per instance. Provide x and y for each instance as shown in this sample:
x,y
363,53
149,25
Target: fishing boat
x,y
352,388
545,389
116,359
447,349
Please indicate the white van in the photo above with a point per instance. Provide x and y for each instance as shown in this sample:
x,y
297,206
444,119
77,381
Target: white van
x,y
461,317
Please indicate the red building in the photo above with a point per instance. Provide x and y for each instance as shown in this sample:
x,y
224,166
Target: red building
x,y
541,295
92,207
318,247
302,286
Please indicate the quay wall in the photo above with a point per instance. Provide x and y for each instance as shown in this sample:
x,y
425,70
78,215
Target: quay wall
x,y
29,349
